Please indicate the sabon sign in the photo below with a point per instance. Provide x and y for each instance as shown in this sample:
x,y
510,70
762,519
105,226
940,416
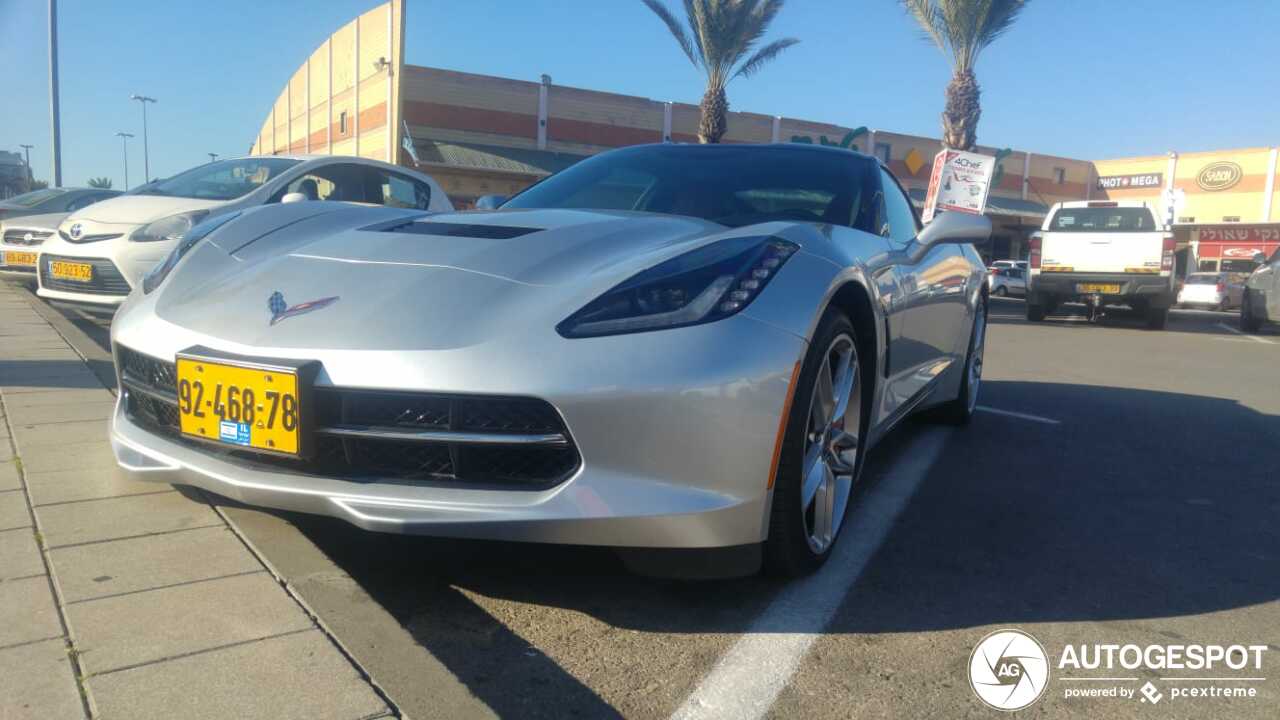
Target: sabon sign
x,y
1219,176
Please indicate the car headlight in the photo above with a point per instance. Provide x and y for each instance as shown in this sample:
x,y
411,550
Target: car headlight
x,y
703,285
200,231
169,228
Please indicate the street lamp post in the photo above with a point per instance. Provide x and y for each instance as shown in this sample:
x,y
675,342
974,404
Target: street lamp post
x,y
146,157
55,118
124,147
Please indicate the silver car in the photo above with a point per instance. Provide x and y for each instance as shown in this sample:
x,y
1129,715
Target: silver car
x,y
684,351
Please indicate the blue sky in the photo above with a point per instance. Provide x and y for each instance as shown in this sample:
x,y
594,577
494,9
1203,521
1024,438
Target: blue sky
x,y
1080,78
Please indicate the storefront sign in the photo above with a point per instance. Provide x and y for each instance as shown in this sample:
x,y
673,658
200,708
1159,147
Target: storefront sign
x,y
1230,234
1219,176
960,182
1129,182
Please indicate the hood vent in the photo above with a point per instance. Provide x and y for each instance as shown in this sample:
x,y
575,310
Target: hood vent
x,y
448,229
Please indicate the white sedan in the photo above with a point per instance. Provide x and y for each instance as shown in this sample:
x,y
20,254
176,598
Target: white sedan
x,y
101,253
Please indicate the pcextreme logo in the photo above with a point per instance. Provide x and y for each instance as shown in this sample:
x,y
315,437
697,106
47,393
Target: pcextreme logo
x,y
1008,670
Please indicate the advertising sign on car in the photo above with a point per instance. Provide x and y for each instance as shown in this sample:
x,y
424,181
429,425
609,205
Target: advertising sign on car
x,y
960,182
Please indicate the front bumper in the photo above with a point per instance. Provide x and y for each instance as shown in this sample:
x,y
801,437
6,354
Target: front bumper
x,y
1155,290
676,446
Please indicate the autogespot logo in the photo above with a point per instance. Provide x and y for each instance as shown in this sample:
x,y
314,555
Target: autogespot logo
x,y
1008,670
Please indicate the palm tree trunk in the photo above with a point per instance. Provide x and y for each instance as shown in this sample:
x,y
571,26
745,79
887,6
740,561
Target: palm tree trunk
x,y
715,116
960,118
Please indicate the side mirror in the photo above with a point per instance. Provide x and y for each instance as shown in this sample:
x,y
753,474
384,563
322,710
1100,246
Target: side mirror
x,y
490,202
1259,258
293,197
950,228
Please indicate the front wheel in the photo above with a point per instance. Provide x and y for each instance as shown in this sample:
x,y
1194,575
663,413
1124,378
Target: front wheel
x,y
960,410
1035,313
821,452
1249,320
1002,291
1157,318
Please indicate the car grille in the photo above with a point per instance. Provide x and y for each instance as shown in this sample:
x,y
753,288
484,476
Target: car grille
x,y
107,280
348,422
18,236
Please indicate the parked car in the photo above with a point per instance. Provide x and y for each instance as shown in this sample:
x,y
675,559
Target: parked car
x,y
1102,253
1005,281
102,252
1212,291
1261,301
20,241
998,264
53,200
685,347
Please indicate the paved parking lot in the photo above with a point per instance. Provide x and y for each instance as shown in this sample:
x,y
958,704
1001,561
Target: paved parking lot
x,y
1118,487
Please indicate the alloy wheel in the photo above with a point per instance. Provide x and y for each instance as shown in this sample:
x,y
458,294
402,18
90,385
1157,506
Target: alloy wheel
x,y
832,444
976,355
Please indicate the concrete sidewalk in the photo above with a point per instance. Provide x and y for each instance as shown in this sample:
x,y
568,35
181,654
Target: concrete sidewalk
x,y
121,599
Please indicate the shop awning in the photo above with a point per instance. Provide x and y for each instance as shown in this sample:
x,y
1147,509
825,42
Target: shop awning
x,y
493,157
996,205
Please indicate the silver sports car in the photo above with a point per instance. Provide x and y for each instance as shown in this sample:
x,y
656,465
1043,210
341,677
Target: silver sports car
x,y
681,351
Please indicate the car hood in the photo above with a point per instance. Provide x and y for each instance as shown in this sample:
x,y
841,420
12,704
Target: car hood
x,y
139,209
354,280
47,221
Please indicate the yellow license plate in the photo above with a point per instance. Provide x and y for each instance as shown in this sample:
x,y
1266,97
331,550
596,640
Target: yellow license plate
x,y
1099,288
240,405
80,272
19,258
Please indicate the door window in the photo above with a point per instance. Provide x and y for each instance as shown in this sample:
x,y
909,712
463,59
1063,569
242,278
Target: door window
x,y
899,215
331,182
395,190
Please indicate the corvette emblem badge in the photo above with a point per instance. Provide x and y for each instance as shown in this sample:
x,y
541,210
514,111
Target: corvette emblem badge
x,y
281,310
75,231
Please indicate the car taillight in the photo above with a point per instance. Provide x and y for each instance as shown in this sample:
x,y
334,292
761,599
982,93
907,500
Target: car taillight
x,y
1035,253
1166,260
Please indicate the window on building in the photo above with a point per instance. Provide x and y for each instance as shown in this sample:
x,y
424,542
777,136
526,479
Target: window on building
x,y
1230,218
882,151
1060,176
1208,266
342,123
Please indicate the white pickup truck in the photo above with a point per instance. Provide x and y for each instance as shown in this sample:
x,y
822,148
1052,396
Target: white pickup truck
x,y
1102,253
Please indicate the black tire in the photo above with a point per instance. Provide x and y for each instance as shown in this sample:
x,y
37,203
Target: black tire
x,y
960,410
1035,313
1249,320
1157,318
1002,291
787,551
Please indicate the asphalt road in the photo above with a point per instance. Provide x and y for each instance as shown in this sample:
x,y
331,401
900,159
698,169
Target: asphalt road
x,y
1120,487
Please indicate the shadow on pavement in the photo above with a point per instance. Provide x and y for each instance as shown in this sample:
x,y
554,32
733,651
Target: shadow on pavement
x,y
1127,509
53,373
1006,312
1139,505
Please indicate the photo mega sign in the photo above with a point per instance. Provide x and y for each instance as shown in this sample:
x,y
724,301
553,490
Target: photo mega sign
x,y
1129,182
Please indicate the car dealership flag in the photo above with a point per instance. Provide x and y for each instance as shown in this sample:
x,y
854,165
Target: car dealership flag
x,y
960,182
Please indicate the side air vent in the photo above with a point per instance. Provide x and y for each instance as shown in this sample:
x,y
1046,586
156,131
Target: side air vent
x,y
483,232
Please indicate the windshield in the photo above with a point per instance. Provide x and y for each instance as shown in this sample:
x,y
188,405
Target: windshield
x,y
222,180
1200,279
1103,219
733,186
35,197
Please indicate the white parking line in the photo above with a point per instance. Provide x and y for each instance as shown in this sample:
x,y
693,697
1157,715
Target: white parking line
x,y
1228,328
747,679
1023,416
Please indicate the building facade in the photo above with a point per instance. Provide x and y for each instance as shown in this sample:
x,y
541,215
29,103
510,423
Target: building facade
x,y
480,135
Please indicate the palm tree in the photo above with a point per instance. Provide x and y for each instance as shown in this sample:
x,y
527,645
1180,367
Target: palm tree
x,y
721,34
100,182
963,28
